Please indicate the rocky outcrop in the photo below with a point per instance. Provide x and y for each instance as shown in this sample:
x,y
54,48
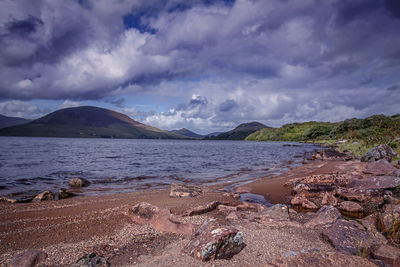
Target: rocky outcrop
x,y
91,260
301,201
78,182
390,215
380,167
349,237
388,254
380,152
161,219
319,258
44,196
370,224
213,241
325,216
28,258
350,206
202,209
181,190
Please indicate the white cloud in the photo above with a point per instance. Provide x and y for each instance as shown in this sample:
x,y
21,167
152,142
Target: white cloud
x,y
69,104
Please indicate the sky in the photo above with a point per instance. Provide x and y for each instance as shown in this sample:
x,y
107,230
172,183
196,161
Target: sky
x,y
207,65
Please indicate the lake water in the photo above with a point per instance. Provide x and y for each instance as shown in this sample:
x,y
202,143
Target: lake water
x,y
31,165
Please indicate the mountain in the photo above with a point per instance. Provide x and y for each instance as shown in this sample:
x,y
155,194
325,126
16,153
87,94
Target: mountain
x,y
188,133
11,121
207,136
240,132
86,122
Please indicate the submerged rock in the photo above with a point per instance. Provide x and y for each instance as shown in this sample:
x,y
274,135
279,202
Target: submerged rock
x,y
28,258
380,152
160,219
64,194
9,200
180,190
78,182
91,260
213,241
44,196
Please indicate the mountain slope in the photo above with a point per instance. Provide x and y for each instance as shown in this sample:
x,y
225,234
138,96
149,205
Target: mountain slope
x,y
88,122
188,133
11,121
240,132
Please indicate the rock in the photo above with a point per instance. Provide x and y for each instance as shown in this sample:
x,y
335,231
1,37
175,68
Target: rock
x,y
180,190
325,216
242,189
277,215
388,254
333,154
63,194
232,216
78,182
349,237
350,206
91,260
328,199
301,200
44,196
160,219
28,258
380,152
213,241
254,207
9,200
227,209
391,213
316,258
370,223
202,209
389,199
380,167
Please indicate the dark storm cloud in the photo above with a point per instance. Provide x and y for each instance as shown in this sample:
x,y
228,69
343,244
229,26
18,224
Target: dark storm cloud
x,y
266,60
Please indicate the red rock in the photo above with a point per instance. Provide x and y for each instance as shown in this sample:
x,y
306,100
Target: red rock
x,y
181,190
350,206
202,209
28,258
160,219
227,209
381,167
388,254
213,241
370,223
328,199
301,200
325,216
254,207
390,214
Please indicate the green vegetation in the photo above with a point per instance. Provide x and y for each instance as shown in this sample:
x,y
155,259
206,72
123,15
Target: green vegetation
x,y
356,135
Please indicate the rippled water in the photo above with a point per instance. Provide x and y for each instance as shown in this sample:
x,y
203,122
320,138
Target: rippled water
x,y
30,165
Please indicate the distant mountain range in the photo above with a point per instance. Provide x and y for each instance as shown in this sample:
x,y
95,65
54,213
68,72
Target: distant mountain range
x,y
240,132
188,133
11,121
88,121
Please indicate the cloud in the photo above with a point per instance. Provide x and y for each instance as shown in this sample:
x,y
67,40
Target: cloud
x,y
69,104
15,108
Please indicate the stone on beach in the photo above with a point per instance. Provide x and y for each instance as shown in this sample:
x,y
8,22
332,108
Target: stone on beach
x,y
202,209
379,152
79,182
325,216
302,201
213,241
349,237
160,219
44,196
64,194
9,200
28,258
181,190
91,260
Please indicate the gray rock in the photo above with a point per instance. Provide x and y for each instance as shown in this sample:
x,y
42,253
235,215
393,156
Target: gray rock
x,y
91,260
29,258
64,194
181,190
78,182
349,237
213,241
44,196
325,216
380,152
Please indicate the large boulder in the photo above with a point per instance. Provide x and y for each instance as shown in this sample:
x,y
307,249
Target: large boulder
x,y
78,182
349,237
44,196
325,216
213,241
388,254
161,219
28,258
181,190
319,258
380,167
91,260
380,152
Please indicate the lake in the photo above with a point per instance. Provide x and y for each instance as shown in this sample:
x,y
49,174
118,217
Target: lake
x,y
31,165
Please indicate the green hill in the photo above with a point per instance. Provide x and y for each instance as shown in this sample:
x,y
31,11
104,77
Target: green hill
x,y
240,132
87,122
188,133
357,135
11,121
